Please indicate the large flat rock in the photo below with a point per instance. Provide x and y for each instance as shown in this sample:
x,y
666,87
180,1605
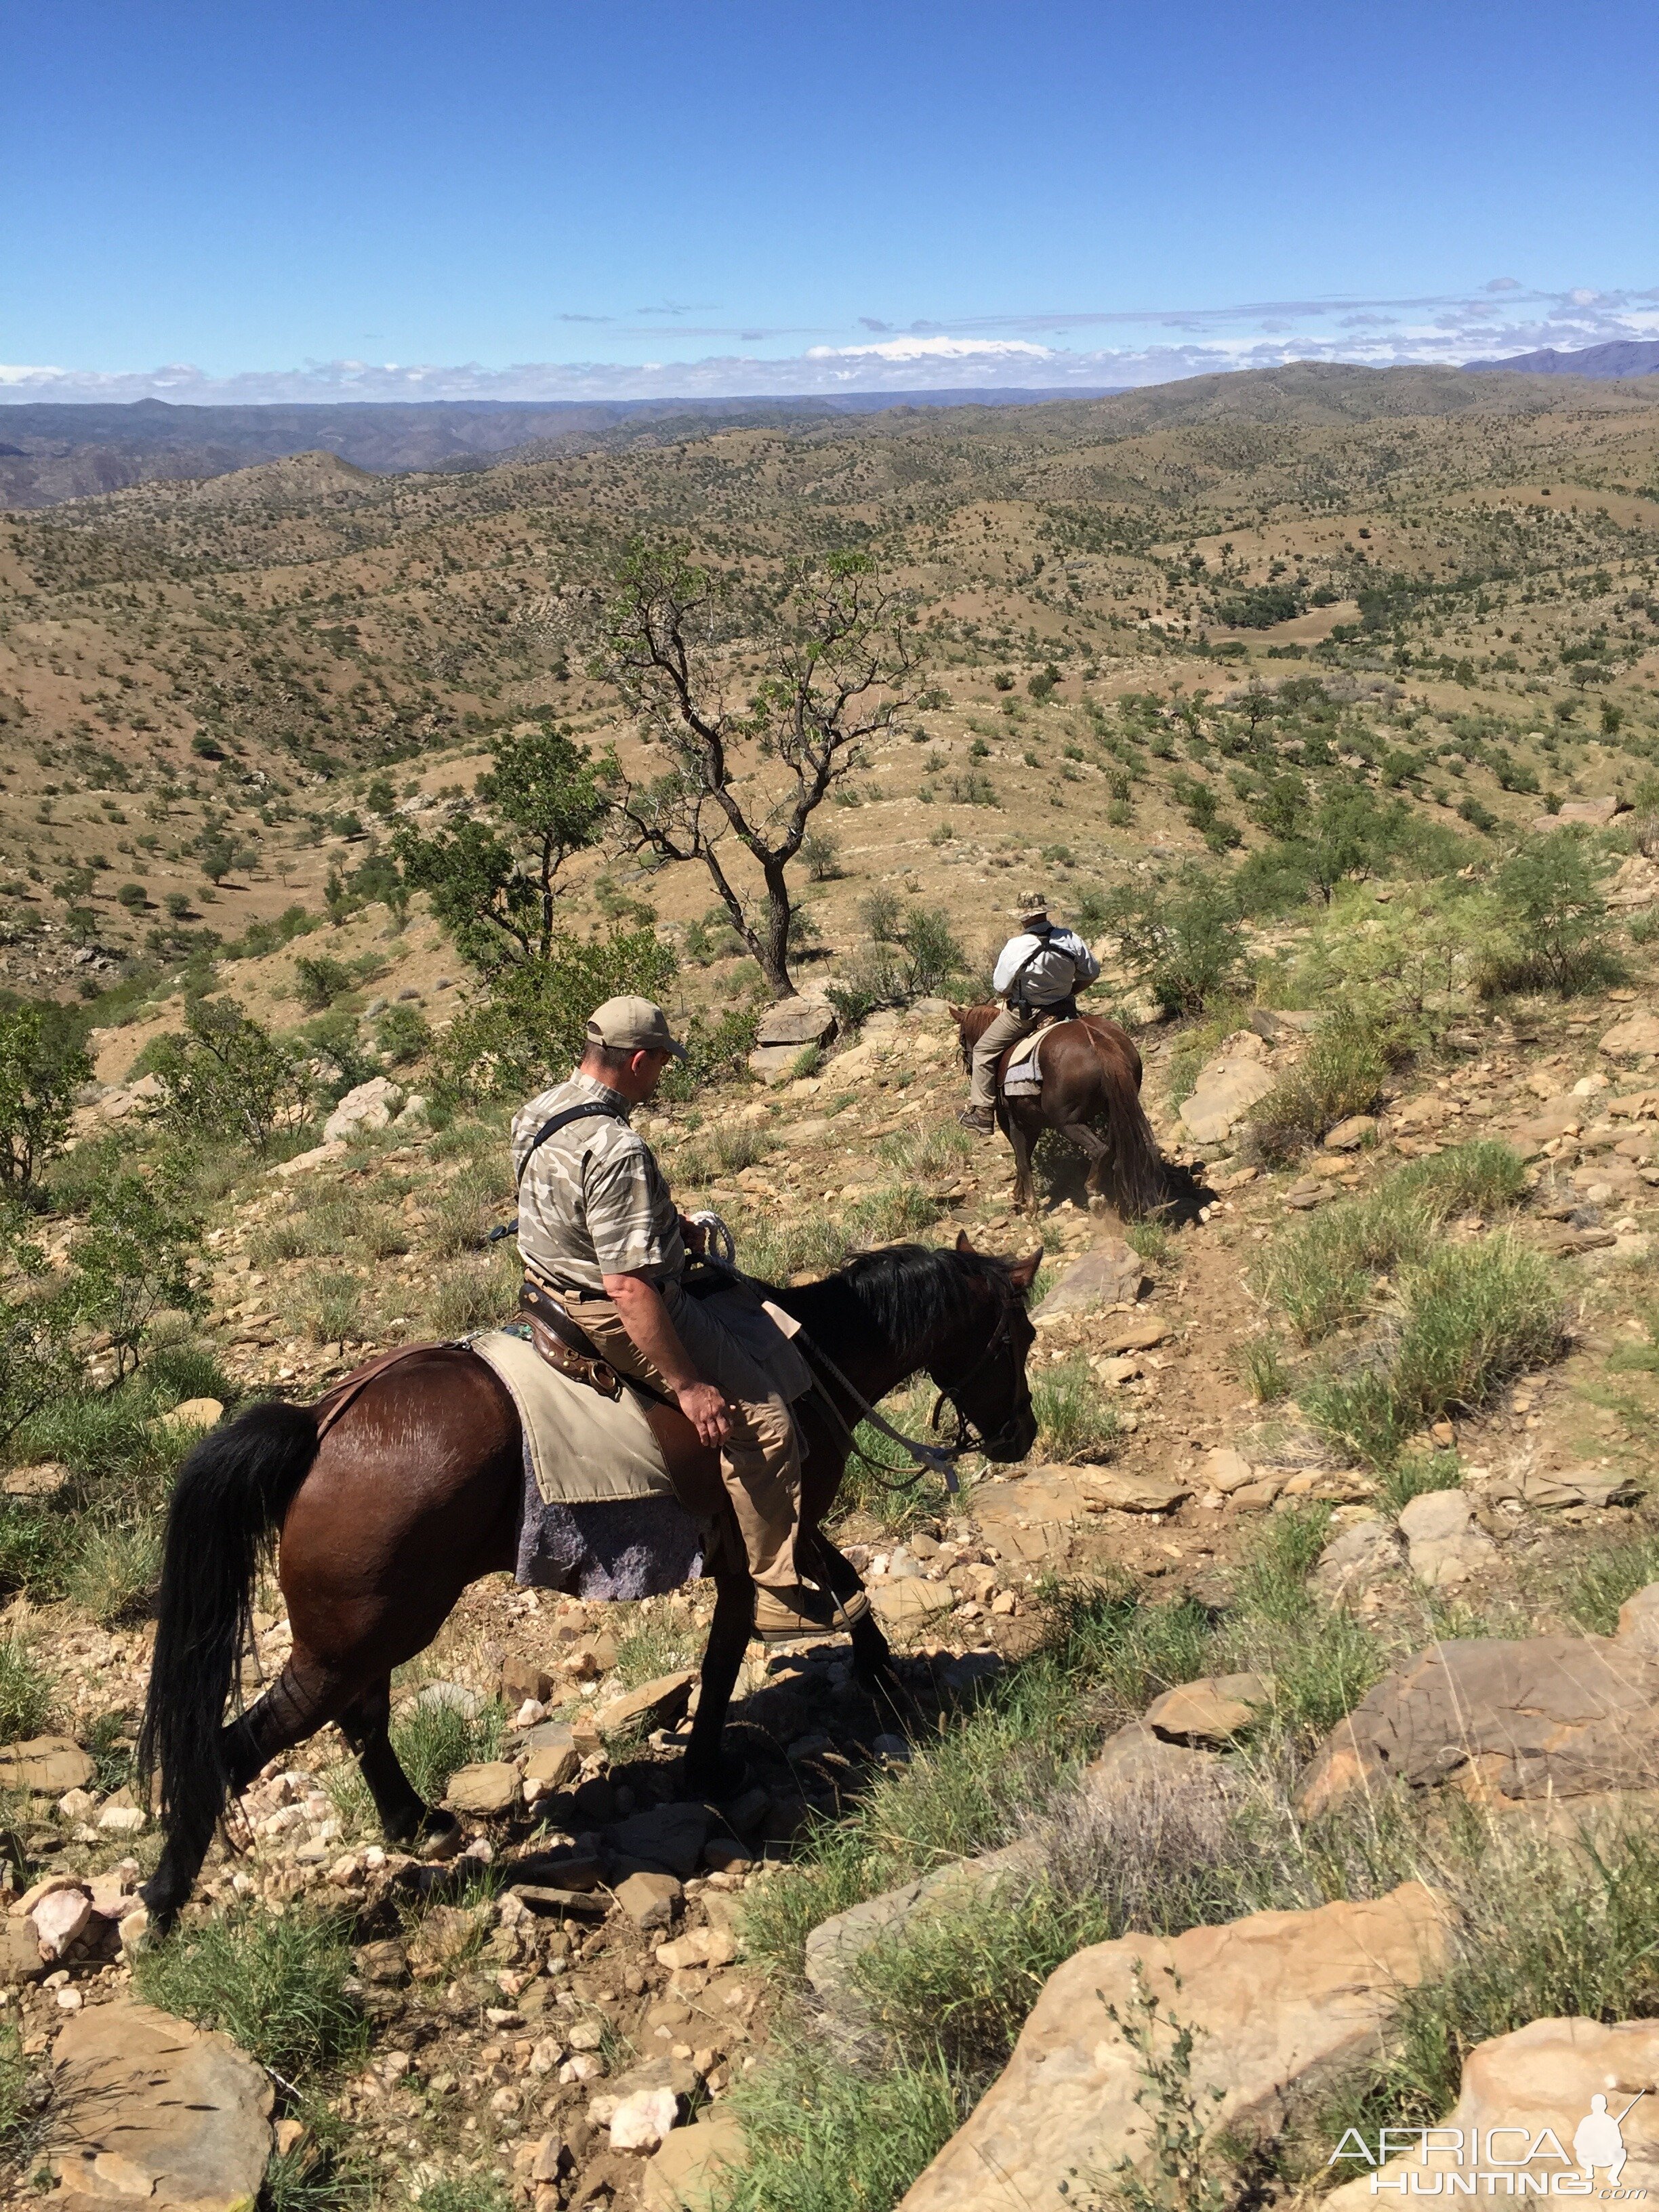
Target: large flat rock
x,y
1546,2075
146,2107
1228,1085
1279,2002
49,1764
1105,1276
1501,1721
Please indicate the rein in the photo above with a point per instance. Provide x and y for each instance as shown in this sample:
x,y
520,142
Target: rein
x,y
938,1459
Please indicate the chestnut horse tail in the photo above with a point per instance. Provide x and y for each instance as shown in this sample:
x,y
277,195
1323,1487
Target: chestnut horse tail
x,y
230,1497
1137,1164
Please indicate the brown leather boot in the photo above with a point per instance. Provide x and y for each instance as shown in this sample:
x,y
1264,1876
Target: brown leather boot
x,y
978,1117
783,1616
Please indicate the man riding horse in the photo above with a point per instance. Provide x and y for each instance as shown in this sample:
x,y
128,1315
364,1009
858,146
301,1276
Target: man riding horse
x,y
1038,975
600,1235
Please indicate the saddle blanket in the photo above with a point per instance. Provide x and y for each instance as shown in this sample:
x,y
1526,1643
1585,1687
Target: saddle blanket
x,y
582,1448
1025,1077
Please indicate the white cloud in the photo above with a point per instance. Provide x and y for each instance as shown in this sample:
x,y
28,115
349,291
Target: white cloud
x,y
977,353
934,349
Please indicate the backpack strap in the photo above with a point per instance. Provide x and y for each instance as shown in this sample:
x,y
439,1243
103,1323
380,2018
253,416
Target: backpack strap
x,y
593,1110
1014,996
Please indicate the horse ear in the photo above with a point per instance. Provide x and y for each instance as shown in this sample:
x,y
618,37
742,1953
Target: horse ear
x,y
963,1243
1022,1273
956,1013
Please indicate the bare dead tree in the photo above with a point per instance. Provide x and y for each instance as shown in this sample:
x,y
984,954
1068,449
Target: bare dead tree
x,y
827,663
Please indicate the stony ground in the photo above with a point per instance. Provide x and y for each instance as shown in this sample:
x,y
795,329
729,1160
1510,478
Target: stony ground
x,y
531,2001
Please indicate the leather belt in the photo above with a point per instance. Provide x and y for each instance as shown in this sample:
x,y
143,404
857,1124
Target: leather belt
x,y
561,1344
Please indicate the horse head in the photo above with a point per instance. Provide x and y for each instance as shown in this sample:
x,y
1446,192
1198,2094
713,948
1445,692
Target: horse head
x,y
979,1368
971,1022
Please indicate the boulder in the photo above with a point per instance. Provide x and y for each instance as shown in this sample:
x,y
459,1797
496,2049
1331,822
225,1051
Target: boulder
x,y
485,1790
1355,1557
43,1479
48,1765
1107,1275
1209,1712
834,1946
1545,2076
524,1677
1501,1721
1598,812
693,2170
1636,1035
1134,1760
1118,1490
1349,1136
643,2119
370,1105
796,1022
1639,1620
552,1758
1543,1486
195,1414
1070,2098
319,1156
153,2108
1137,1332
910,1603
1226,1470
1227,1087
650,1900
1443,1542
667,1839
657,1703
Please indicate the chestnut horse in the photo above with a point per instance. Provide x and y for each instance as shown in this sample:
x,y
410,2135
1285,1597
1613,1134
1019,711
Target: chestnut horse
x,y
416,1491
1091,1077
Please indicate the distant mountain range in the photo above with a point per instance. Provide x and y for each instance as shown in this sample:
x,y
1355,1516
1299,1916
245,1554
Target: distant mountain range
x,y
52,452
1618,357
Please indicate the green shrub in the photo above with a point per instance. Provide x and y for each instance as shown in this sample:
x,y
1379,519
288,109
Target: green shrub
x,y
41,1067
25,1691
276,1986
432,1739
1474,1315
116,1569
1075,1420
403,1034
321,980
1555,912
1342,1073
1601,1581
1182,940
530,1028
226,1077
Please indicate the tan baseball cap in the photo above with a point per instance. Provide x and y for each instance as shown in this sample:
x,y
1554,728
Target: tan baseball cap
x,y
632,1026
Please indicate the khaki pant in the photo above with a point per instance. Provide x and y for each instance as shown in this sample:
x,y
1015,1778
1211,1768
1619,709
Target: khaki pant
x,y
1007,1028
760,1461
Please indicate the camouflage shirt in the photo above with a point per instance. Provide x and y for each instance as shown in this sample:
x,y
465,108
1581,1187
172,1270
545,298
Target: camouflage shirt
x,y
593,1201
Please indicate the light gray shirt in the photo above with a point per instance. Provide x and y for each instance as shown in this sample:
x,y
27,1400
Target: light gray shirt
x,y
1061,966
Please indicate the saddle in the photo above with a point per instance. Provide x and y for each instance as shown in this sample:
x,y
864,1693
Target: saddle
x,y
564,1345
1020,1074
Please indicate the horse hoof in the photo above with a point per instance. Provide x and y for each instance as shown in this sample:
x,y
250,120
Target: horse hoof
x,y
438,1837
712,1781
163,1913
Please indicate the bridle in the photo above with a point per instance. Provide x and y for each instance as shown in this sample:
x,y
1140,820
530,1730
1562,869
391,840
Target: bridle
x,y
935,1459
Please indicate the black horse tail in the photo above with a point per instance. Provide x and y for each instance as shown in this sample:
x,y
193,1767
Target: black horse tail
x,y
1137,1164
231,1495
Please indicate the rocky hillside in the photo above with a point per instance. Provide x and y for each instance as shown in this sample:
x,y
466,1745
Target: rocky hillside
x,y
1312,1649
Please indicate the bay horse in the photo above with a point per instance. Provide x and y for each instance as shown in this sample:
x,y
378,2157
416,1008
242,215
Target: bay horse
x,y
416,1491
1090,1075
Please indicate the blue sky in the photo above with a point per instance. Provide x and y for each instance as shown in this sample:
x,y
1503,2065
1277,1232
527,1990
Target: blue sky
x,y
519,200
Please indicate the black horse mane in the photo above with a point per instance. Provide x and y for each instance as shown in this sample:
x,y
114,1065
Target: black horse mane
x,y
903,1294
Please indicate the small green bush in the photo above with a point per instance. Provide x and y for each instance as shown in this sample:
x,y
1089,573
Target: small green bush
x,y
1342,1073
25,1691
1075,1420
276,1986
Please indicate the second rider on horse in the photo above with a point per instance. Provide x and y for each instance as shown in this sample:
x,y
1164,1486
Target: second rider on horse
x,y
1037,975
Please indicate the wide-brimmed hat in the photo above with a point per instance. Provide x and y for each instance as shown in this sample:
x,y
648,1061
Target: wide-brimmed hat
x,y
632,1026
1031,904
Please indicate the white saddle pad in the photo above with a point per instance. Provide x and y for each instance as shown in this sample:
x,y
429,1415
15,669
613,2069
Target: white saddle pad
x,y
1025,1076
584,1448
